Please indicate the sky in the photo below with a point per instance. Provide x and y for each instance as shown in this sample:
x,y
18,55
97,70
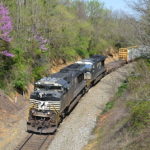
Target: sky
x,y
117,5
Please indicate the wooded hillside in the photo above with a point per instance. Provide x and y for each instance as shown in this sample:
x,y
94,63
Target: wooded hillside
x,y
36,33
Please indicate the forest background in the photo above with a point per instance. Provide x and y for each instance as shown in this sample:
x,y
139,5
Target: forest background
x,y
36,34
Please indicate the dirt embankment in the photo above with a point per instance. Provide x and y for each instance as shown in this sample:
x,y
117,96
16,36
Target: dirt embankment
x,y
12,120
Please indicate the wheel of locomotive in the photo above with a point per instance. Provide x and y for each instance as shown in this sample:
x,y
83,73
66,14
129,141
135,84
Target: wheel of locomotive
x,y
84,91
59,120
67,112
62,116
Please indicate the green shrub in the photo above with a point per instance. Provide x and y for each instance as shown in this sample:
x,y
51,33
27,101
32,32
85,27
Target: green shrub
x,y
147,61
82,53
140,114
38,72
69,53
2,85
108,106
93,52
20,81
119,93
122,89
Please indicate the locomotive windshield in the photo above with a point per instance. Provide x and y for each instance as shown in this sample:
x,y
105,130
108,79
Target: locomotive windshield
x,y
88,67
48,87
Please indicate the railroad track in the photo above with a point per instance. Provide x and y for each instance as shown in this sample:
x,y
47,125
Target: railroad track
x,y
35,142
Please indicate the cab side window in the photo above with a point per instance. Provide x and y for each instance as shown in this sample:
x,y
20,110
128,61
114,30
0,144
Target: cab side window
x,y
80,78
102,63
99,65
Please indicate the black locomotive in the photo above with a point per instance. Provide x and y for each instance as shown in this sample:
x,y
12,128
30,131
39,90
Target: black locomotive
x,y
54,96
95,69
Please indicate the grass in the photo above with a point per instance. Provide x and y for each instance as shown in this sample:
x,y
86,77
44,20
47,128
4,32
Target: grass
x,y
109,105
122,88
140,114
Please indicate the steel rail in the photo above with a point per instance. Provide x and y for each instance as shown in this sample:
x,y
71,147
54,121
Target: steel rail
x,y
35,142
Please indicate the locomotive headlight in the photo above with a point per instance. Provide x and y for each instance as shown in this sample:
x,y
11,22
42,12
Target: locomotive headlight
x,y
49,113
32,111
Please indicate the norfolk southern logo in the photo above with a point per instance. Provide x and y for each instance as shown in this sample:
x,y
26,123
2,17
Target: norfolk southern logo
x,y
42,105
40,95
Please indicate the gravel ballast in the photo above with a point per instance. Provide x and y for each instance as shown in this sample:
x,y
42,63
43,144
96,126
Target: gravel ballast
x,y
75,131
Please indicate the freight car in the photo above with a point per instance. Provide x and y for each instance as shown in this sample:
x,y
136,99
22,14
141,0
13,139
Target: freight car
x,y
135,52
54,96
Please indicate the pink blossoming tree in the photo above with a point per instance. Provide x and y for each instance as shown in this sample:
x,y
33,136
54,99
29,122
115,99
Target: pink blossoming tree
x,y
5,28
42,42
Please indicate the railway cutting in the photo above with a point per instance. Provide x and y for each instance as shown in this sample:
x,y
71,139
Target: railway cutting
x,y
64,89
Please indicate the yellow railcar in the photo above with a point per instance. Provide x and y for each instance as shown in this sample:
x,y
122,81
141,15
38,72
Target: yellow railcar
x,y
128,53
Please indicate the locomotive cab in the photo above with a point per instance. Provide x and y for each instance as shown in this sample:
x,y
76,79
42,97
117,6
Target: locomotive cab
x,y
45,106
95,69
89,70
53,98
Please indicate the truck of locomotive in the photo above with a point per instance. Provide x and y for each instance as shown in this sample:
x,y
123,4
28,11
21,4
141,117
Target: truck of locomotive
x,y
54,96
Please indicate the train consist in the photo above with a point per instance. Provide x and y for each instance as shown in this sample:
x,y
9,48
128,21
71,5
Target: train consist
x,y
55,96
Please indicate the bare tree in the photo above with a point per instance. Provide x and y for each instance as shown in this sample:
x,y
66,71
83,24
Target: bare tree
x,y
142,7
